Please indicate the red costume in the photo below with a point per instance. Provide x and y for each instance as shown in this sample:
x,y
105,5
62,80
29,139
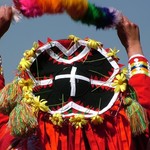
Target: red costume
x,y
91,105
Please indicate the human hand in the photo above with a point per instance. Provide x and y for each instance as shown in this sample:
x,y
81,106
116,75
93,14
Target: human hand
x,y
129,35
5,19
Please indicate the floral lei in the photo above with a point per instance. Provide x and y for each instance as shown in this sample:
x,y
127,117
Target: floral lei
x,y
78,10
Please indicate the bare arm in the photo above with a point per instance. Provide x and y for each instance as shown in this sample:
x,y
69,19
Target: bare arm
x,y
129,35
5,19
139,73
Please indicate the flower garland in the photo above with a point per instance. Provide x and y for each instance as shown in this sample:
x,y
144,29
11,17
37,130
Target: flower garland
x,y
79,10
78,120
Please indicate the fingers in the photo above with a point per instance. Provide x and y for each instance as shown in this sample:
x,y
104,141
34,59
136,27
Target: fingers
x,y
5,19
9,12
126,22
127,27
6,11
125,19
6,14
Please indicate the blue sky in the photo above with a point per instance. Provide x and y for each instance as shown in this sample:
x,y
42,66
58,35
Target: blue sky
x,y
21,35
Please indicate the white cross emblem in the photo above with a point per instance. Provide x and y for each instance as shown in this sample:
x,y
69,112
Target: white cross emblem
x,y
73,78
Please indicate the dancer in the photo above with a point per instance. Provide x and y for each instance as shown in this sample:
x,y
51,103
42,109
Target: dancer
x,y
72,94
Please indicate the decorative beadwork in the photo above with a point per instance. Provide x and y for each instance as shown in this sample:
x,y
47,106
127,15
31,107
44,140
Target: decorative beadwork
x,y
138,65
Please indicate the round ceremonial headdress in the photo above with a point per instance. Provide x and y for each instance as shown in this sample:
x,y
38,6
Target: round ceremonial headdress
x,y
66,69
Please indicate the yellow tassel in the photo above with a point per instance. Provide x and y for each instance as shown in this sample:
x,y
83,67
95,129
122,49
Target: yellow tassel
x,y
137,116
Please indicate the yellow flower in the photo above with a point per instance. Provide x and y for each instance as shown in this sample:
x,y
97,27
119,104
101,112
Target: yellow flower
x,y
38,104
26,85
57,119
30,53
35,45
74,38
78,121
113,53
120,83
124,71
35,102
27,97
24,64
94,44
97,119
